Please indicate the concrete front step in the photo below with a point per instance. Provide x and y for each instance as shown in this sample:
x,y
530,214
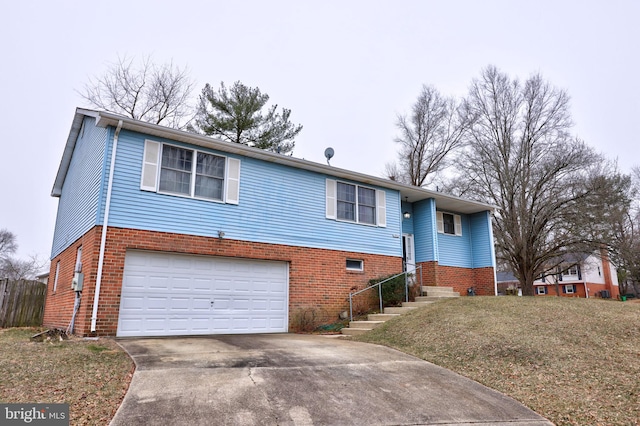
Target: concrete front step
x,y
416,304
433,298
439,291
381,317
353,331
374,320
368,325
398,310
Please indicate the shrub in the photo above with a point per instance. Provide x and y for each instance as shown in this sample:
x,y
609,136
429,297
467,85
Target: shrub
x,y
308,318
393,291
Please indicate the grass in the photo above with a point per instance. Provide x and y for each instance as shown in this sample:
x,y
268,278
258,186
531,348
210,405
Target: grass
x,y
91,376
574,361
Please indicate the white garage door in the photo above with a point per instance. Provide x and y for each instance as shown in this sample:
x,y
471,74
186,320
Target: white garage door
x,y
167,294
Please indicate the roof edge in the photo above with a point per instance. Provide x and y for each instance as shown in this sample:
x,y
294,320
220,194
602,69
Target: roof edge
x,y
69,147
105,119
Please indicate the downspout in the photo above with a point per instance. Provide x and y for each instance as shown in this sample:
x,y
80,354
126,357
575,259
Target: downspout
x,y
103,237
493,253
584,281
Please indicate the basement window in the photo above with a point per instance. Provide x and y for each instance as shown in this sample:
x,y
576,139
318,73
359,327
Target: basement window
x,y
355,265
541,289
569,289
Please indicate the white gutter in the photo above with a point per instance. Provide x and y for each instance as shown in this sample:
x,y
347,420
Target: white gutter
x,y
103,237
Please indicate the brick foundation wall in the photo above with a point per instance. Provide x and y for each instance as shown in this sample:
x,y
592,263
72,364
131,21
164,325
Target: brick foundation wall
x,y
594,290
318,278
482,279
59,304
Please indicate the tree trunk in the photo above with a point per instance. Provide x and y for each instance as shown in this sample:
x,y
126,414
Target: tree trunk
x,y
527,286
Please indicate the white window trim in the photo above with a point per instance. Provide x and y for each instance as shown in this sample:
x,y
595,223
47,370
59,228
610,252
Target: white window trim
x,y
331,206
457,223
568,273
77,267
55,277
540,287
151,169
568,289
360,269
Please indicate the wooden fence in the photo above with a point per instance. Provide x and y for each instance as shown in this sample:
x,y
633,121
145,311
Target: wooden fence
x,y
21,303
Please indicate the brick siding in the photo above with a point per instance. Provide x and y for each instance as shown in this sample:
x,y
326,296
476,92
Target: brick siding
x,y
461,279
318,278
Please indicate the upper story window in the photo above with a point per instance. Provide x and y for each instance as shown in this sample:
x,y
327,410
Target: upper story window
x,y
571,271
175,170
449,223
355,203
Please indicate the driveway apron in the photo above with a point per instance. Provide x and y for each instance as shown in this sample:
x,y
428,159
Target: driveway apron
x,y
289,379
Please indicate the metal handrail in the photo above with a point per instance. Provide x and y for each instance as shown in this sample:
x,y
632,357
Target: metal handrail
x,y
379,285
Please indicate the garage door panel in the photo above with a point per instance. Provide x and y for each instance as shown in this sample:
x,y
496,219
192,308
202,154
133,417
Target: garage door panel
x,y
241,286
155,303
222,285
132,303
180,283
154,324
202,284
157,264
238,304
158,283
199,325
180,304
171,294
241,324
136,281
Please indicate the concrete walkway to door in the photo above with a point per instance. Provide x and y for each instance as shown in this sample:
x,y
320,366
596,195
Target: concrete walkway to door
x,y
289,379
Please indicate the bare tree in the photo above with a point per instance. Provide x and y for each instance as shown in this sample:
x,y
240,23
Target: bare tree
x,y
8,243
548,186
158,94
21,269
624,244
428,136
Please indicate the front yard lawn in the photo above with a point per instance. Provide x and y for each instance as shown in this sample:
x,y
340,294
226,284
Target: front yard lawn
x,y
92,376
574,361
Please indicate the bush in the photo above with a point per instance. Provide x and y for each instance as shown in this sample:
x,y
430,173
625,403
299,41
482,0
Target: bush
x,y
393,291
308,318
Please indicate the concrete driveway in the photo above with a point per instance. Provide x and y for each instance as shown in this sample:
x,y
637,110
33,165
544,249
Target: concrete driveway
x,y
289,379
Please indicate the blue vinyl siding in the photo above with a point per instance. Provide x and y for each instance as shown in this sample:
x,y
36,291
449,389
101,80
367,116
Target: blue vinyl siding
x,y
473,249
424,230
407,224
78,203
481,240
455,250
278,205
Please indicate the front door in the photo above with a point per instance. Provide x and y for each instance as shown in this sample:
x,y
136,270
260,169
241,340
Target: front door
x,y
408,253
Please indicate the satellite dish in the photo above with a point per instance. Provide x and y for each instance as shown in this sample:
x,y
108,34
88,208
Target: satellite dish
x,y
328,153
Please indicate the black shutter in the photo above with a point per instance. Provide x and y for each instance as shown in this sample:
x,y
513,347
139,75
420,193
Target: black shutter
x,y
564,289
579,272
575,289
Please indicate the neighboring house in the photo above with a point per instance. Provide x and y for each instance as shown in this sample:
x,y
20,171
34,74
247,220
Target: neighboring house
x,y
581,276
171,233
577,276
43,277
506,282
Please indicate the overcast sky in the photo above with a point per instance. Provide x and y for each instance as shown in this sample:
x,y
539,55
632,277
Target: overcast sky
x,y
344,68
